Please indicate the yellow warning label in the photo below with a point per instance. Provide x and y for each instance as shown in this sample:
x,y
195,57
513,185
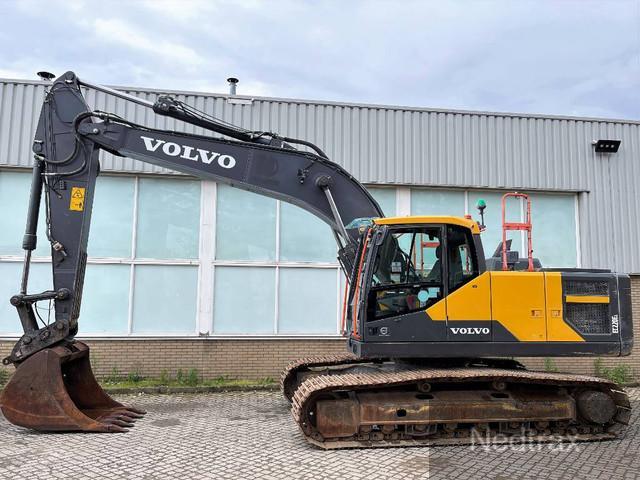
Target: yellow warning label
x,y
77,199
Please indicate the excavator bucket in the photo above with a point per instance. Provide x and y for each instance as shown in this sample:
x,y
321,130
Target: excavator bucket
x,y
55,390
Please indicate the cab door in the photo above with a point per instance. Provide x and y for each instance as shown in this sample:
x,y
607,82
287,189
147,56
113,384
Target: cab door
x,y
468,300
405,281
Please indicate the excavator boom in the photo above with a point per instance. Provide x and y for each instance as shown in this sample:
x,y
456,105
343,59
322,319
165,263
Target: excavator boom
x,y
66,146
53,387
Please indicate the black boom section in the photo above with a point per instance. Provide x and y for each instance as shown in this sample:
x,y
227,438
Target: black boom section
x,y
65,170
66,147
289,175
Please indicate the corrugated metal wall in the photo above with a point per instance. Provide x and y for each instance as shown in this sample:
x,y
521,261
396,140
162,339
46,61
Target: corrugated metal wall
x,y
410,146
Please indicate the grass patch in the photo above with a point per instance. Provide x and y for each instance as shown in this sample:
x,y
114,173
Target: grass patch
x,y
188,378
550,365
620,374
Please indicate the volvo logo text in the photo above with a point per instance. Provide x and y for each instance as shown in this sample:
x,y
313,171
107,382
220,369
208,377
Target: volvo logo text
x,y
469,331
188,153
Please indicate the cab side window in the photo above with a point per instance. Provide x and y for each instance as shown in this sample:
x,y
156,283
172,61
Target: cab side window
x,y
461,258
408,272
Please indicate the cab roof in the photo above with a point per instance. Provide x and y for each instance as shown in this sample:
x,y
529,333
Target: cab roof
x,y
430,219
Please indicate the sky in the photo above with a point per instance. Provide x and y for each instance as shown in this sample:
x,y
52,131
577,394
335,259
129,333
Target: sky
x,y
565,57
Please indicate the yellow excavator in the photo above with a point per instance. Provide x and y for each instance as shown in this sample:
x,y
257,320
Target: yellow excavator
x,y
431,324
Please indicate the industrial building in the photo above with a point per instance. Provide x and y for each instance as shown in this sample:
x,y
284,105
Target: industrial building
x,y
188,274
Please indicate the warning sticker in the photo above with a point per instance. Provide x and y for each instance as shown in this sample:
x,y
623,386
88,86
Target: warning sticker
x,y
77,199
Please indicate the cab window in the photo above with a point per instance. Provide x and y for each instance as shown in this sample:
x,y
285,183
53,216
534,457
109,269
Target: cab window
x,y
462,262
408,272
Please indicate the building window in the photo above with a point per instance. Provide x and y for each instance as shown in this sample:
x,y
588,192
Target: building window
x,y
246,225
554,220
165,299
302,300
14,193
168,218
275,270
246,265
304,237
142,270
111,219
273,265
492,236
105,300
437,202
554,229
386,198
244,300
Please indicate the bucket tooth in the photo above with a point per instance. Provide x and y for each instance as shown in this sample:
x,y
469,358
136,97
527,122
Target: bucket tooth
x,y
55,390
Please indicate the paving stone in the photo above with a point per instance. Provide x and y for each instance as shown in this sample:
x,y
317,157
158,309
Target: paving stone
x,y
244,435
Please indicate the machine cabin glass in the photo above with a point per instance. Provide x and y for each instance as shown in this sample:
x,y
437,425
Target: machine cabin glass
x,y
462,261
408,272
414,267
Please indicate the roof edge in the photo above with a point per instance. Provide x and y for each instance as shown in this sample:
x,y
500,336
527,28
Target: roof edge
x,y
374,106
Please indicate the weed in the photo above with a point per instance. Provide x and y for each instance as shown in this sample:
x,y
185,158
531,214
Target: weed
x,y
4,376
135,376
219,380
550,365
620,374
113,377
598,367
192,378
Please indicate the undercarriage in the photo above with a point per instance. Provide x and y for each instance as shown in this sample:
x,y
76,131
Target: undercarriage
x,y
344,402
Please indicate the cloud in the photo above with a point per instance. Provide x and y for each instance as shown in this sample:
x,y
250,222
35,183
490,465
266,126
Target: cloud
x,y
119,31
12,74
543,56
179,10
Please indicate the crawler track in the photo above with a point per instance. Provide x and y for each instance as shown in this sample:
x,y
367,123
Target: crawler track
x,y
289,381
352,398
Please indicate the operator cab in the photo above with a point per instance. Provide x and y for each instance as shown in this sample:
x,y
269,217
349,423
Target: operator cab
x,y
407,264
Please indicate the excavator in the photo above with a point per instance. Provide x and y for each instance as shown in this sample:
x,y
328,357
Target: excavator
x,y
431,331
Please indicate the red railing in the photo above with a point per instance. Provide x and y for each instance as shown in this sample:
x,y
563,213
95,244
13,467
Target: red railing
x,y
523,226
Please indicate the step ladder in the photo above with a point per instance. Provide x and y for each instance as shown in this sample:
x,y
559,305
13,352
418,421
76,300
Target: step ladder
x,y
522,226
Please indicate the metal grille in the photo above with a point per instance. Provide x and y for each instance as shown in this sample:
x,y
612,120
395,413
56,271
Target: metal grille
x,y
586,287
589,318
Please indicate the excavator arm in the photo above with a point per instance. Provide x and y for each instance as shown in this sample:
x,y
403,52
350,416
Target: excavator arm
x,y
53,388
66,146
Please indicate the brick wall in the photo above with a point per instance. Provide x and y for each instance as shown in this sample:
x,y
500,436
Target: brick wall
x,y
253,359
256,359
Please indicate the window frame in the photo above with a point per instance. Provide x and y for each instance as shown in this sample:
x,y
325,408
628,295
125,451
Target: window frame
x,y
207,318
405,208
203,323
472,251
131,261
368,278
